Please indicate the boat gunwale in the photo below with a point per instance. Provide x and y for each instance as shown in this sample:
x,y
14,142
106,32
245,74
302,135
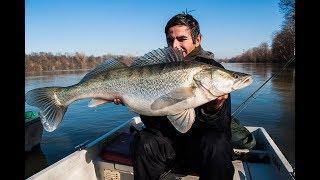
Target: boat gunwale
x,y
106,135
274,147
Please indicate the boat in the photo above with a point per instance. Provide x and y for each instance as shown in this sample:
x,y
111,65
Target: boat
x,y
107,157
33,130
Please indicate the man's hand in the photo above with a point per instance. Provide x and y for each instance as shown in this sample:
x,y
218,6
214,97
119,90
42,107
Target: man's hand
x,y
118,101
214,106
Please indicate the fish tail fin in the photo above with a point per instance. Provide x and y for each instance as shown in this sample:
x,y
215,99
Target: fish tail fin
x,y
51,108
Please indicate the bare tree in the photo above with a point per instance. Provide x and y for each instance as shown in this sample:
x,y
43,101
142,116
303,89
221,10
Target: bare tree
x,y
42,61
283,44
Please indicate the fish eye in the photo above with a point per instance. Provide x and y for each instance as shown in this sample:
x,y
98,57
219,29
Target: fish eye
x,y
236,76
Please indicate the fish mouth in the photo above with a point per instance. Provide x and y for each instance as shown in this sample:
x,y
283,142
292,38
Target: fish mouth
x,y
243,82
248,80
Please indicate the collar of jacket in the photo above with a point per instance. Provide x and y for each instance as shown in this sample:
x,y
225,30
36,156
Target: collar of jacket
x,y
199,52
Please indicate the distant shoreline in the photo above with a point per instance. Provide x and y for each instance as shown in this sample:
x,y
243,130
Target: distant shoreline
x,y
43,62
67,71
48,63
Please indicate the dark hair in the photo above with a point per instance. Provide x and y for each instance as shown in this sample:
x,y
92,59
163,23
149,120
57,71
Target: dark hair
x,y
186,20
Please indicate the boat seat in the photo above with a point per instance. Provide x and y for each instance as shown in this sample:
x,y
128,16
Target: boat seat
x,y
118,150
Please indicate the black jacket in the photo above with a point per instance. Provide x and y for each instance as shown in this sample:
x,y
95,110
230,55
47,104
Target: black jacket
x,y
220,121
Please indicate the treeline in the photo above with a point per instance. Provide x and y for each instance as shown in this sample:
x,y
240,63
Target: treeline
x,y
42,61
283,42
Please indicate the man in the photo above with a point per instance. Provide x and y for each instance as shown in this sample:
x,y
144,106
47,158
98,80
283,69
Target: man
x,y
206,148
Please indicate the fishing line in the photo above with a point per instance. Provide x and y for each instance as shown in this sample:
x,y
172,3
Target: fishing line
x,y
244,104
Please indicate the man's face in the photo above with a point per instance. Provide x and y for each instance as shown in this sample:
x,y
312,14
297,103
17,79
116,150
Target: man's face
x,y
179,36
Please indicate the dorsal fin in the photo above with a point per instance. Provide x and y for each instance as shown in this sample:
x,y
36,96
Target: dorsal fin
x,y
104,66
158,56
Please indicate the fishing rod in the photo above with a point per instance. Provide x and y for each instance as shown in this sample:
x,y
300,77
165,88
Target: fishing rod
x,y
242,105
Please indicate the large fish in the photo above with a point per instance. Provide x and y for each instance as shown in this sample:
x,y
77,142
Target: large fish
x,y
160,83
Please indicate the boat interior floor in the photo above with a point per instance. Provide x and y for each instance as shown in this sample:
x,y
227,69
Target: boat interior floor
x,y
114,162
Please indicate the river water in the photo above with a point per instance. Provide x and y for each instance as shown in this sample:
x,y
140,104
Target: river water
x,y
272,108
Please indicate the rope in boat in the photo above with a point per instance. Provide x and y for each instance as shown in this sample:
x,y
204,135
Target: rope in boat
x,y
243,104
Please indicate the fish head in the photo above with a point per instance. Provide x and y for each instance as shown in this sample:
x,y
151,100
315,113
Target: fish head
x,y
220,81
241,80
228,81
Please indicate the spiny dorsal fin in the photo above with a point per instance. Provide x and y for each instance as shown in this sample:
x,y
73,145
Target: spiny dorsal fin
x,y
104,66
158,56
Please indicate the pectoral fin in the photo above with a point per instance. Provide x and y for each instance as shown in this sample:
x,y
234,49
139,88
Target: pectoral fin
x,y
172,98
97,102
183,121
